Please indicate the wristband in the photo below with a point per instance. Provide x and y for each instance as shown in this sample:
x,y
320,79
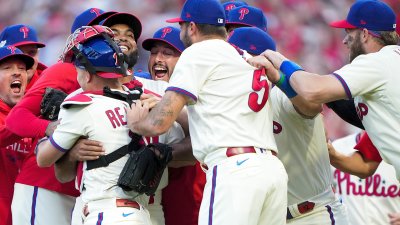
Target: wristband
x,y
288,68
284,85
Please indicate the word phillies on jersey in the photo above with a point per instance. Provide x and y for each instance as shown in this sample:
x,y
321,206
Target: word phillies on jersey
x,y
370,186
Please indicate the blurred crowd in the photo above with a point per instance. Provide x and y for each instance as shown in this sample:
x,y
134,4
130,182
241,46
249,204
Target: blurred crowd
x,y
300,28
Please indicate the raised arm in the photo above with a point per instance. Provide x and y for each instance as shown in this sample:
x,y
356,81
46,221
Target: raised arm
x,y
159,119
312,87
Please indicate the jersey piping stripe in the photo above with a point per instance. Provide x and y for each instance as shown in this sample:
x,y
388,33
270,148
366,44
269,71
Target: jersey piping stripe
x,y
214,184
331,216
346,88
182,91
59,148
33,208
99,218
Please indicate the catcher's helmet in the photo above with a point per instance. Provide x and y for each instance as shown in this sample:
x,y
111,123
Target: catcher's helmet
x,y
92,49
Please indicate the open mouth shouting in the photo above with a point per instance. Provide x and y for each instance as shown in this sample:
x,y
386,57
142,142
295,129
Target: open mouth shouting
x,y
159,71
16,87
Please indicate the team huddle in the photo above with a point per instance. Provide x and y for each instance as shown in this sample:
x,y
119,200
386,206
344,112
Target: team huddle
x,y
222,129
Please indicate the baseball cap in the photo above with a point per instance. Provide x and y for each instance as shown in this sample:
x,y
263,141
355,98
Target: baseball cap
x,y
373,15
252,39
91,16
125,18
18,35
247,16
168,35
228,6
10,51
201,11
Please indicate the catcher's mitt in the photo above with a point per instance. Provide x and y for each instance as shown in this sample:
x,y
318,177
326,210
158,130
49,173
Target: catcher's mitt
x,y
50,105
143,170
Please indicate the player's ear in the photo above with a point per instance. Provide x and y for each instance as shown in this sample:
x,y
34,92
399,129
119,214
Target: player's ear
x,y
192,28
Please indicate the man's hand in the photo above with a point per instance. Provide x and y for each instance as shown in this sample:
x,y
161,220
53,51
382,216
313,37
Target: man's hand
x,y
262,62
138,111
150,100
275,58
85,150
394,218
51,127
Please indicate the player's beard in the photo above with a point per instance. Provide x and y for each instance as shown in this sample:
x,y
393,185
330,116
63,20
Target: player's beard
x,y
131,58
186,39
356,47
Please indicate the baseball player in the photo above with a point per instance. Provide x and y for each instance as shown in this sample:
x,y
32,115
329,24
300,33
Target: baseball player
x,y
311,199
103,119
371,77
13,80
25,38
229,5
182,197
228,127
369,200
246,16
36,187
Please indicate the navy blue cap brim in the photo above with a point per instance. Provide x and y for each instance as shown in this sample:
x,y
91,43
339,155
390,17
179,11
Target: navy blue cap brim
x,y
29,61
125,18
149,43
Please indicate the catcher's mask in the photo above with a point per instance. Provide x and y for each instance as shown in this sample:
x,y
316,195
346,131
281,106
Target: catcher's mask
x,y
92,48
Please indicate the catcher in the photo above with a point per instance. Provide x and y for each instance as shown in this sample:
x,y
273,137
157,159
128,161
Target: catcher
x,y
99,113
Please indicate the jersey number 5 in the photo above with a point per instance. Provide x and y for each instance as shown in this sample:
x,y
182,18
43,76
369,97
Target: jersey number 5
x,y
257,86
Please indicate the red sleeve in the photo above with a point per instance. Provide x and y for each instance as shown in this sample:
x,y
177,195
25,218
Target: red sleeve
x,y
368,149
24,119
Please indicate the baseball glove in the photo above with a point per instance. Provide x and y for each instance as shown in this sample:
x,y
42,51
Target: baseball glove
x,y
143,170
50,105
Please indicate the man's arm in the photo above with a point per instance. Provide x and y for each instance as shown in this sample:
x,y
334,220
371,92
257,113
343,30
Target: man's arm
x,y
354,164
47,154
312,87
159,119
83,150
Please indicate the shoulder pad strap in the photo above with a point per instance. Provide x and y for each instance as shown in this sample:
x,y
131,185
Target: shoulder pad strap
x,y
79,99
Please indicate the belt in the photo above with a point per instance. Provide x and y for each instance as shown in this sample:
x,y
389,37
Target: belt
x,y
118,203
302,208
232,151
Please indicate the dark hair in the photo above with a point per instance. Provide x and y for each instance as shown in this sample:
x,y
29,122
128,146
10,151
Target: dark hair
x,y
388,38
207,29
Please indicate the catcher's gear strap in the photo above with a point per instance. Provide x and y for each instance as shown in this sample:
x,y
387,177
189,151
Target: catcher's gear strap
x,y
105,160
134,94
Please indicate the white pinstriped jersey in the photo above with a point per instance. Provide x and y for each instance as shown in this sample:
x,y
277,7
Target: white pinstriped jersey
x,y
370,200
101,183
225,94
373,79
104,120
302,149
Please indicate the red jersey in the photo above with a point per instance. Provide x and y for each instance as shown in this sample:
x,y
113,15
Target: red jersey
x,y
24,120
368,149
11,157
181,199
